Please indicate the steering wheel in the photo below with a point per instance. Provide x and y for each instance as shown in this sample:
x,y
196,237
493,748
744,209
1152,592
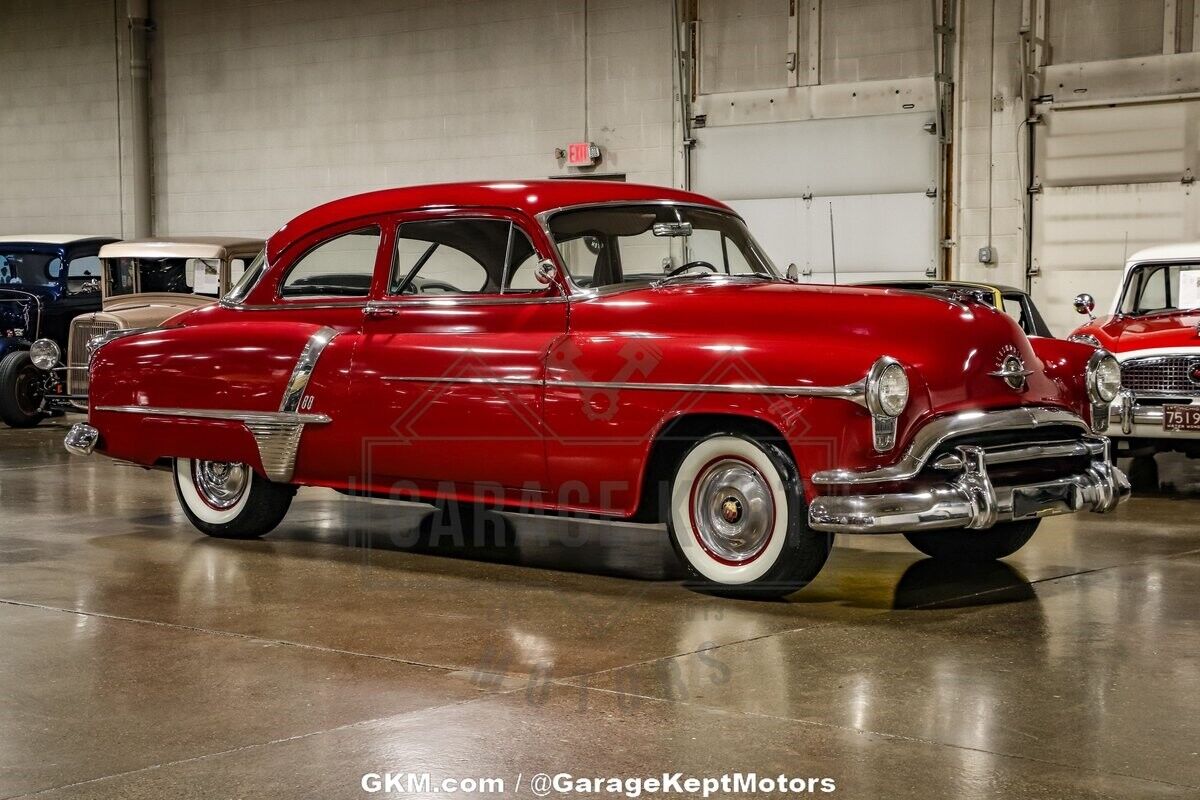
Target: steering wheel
x,y
691,265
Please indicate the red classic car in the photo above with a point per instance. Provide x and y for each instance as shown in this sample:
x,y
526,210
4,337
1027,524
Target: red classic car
x,y
611,350
1153,329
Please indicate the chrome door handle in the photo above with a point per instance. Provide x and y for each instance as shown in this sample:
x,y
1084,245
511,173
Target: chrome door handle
x,y
380,312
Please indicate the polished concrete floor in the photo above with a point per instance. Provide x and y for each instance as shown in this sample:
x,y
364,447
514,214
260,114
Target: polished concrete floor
x,y
139,659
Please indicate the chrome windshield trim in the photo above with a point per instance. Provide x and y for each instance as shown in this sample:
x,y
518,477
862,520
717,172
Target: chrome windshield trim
x,y
251,417
933,434
293,395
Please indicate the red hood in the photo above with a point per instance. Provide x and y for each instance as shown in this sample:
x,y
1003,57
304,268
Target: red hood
x,y
1124,334
824,335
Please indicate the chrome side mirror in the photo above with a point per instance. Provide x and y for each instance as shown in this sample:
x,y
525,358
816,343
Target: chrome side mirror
x,y
793,273
1085,304
546,273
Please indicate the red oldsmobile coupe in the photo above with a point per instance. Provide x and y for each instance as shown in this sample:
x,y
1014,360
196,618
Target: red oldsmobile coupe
x,y
610,350
1153,329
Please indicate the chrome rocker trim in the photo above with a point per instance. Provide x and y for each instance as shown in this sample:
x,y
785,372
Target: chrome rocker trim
x,y
276,433
972,501
935,433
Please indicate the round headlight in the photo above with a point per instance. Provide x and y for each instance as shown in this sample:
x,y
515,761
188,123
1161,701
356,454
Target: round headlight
x,y
1106,378
887,388
44,353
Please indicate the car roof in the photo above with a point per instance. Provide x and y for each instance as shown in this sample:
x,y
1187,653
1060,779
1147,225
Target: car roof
x,y
52,238
531,197
1182,251
182,247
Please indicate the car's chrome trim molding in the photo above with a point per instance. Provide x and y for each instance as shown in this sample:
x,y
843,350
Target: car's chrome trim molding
x,y
454,379
293,395
853,391
850,391
938,431
221,414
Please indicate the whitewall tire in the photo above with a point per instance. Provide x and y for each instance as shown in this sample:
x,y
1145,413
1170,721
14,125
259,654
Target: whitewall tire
x,y
737,519
229,500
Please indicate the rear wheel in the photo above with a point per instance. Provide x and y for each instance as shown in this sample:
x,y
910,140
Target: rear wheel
x,y
997,542
737,521
21,391
230,501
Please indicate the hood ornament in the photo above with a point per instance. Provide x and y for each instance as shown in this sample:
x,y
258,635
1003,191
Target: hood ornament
x,y
1011,369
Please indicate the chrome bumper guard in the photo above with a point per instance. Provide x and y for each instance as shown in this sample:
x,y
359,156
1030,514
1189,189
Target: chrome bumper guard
x,y
972,501
81,439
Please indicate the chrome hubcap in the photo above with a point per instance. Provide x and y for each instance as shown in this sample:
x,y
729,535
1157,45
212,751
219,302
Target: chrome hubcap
x,y
733,511
220,484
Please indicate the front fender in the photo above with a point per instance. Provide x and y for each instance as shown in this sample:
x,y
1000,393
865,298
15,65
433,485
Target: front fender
x,y
1065,363
11,344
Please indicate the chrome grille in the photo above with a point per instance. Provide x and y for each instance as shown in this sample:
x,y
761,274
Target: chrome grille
x,y
1162,376
82,330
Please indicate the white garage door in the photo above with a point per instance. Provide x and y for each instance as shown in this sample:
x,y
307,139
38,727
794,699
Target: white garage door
x,y
872,173
1114,181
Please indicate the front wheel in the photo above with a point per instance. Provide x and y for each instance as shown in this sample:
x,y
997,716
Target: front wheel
x,y
230,501
737,520
994,543
21,391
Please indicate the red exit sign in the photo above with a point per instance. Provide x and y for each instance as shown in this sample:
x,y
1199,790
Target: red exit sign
x,y
582,154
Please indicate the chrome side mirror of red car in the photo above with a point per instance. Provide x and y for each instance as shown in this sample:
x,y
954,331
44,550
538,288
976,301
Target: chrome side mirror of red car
x,y
793,273
1085,304
546,273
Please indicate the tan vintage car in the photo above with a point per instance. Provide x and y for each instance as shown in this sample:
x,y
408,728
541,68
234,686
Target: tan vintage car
x,y
146,282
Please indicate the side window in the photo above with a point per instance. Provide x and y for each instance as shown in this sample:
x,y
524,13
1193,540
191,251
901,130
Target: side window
x,y
83,275
459,256
339,267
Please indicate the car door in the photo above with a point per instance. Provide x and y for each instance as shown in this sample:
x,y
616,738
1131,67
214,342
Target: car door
x,y
449,372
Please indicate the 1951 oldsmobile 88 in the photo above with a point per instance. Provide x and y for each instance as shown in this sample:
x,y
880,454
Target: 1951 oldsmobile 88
x,y
612,350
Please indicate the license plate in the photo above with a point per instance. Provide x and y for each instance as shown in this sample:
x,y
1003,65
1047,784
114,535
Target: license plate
x,y
1181,418
1043,501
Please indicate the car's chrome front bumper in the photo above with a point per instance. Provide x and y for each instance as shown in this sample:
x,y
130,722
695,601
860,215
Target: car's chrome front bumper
x,y
1130,419
972,501
81,439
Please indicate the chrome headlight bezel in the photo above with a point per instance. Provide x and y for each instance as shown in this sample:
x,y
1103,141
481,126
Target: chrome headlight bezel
x,y
887,390
1103,377
45,354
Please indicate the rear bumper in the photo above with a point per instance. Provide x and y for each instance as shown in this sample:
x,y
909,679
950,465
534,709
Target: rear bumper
x,y
81,439
972,501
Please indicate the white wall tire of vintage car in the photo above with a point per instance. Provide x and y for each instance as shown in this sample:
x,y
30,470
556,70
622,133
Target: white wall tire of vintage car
x,y
682,528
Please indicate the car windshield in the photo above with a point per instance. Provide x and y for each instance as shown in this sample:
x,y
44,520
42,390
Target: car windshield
x,y
611,245
163,275
29,269
1159,288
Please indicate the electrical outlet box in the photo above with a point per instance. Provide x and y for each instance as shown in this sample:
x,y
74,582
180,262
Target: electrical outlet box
x,y
987,255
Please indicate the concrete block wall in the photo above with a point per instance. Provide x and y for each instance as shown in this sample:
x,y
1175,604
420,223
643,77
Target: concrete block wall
x,y
264,109
990,154
1097,30
744,45
59,167
867,40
